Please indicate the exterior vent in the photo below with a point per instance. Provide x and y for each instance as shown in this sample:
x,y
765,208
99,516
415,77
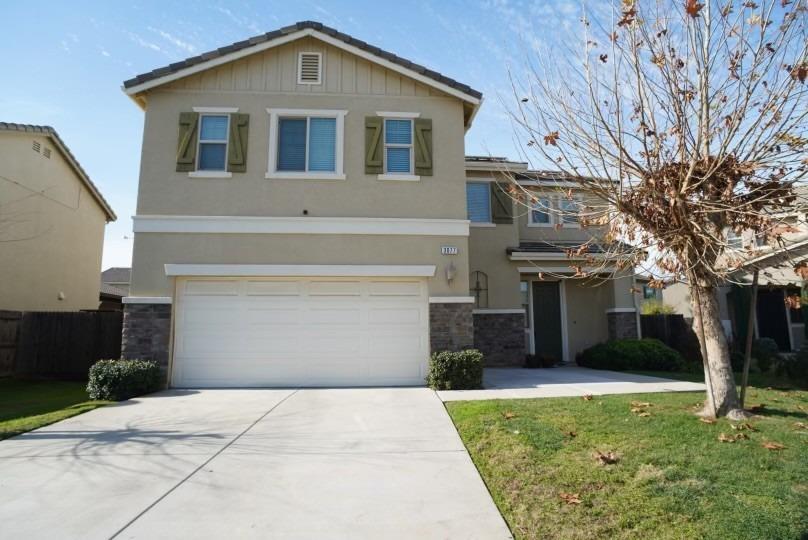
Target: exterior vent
x,y
36,146
46,152
309,68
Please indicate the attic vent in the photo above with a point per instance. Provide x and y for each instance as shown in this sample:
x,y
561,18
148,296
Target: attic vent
x,y
46,152
309,68
36,146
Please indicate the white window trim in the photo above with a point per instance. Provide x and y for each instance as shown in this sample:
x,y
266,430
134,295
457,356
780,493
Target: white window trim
x,y
551,201
387,175
319,56
272,164
216,110
400,177
490,222
210,174
398,115
216,173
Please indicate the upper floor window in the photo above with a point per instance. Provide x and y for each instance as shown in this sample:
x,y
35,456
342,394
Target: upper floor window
x,y
540,213
306,144
734,240
569,210
478,202
398,146
212,152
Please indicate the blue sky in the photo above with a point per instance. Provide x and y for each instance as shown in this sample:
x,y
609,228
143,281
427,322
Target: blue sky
x,y
73,56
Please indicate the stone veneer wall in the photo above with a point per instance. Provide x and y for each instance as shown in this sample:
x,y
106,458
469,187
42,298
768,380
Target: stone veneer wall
x,y
622,324
451,327
501,338
146,333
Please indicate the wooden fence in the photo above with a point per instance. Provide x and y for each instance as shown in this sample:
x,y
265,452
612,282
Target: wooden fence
x,y
58,344
673,331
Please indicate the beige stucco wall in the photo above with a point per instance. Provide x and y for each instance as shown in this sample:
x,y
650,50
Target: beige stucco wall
x,y
587,323
51,230
153,251
267,80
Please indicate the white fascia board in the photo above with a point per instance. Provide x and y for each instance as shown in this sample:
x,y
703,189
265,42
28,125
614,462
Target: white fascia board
x,y
291,37
451,299
392,114
299,270
220,110
146,299
300,225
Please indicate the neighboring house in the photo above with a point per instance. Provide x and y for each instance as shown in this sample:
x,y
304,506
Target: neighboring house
x,y
646,293
777,279
111,298
52,220
117,277
302,220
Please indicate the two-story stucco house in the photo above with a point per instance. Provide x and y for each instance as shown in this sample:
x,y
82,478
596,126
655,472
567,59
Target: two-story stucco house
x,y
52,220
303,219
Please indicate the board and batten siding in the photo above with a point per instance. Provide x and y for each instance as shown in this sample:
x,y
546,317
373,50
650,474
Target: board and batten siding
x,y
275,70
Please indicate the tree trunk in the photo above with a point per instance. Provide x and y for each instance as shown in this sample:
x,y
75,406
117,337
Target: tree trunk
x,y
722,395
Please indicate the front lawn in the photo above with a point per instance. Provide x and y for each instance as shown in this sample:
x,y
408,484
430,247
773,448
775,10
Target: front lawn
x,y
27,405
673,477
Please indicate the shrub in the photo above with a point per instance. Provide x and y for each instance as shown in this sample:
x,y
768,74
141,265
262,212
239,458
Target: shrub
x,y
533,361
795,366
117,380
736,358
656,307
461,370
765,351
632,354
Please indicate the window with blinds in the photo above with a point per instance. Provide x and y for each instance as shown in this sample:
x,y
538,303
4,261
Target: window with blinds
x,y
307,144
478,202
398,146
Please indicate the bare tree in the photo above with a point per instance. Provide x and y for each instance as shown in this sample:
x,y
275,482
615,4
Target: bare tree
x,y
687,123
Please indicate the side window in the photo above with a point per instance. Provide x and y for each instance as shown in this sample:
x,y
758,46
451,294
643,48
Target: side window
x,y
569,211
213,130
540,213
398,155
478,202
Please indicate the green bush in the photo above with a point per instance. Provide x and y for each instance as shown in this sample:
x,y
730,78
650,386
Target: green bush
x,y
117,380
461,370
765,351
794,366
632,354
656,307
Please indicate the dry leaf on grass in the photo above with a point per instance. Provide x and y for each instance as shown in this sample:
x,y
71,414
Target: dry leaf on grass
x,y
587,397
607,458
800,425
707,420
746,426
732,438
570,498
570,434
641,404
768,445
509,414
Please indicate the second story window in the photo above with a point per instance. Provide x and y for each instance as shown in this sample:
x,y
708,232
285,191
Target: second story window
x,y
306,144
540,212
398,146
478,202
569,210
213,130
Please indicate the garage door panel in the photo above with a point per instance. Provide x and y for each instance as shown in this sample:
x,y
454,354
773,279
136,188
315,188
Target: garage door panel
x,y
301,332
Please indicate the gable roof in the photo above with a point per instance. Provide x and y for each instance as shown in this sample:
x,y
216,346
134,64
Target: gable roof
x,y
116,274
68,156
255,44
111,292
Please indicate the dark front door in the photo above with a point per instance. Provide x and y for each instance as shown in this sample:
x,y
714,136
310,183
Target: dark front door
x,y
771,317
547,319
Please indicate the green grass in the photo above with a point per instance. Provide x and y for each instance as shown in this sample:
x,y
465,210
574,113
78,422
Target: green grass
x,y
27,405
673,479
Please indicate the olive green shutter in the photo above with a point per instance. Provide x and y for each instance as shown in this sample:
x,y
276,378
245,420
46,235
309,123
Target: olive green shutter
x,y
423,146
186,142
501,205
373,145
237,145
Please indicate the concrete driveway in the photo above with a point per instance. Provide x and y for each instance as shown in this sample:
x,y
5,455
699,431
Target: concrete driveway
x,y
566,381
341,463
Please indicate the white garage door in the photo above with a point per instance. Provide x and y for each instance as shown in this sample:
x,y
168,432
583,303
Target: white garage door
x,y
300,332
